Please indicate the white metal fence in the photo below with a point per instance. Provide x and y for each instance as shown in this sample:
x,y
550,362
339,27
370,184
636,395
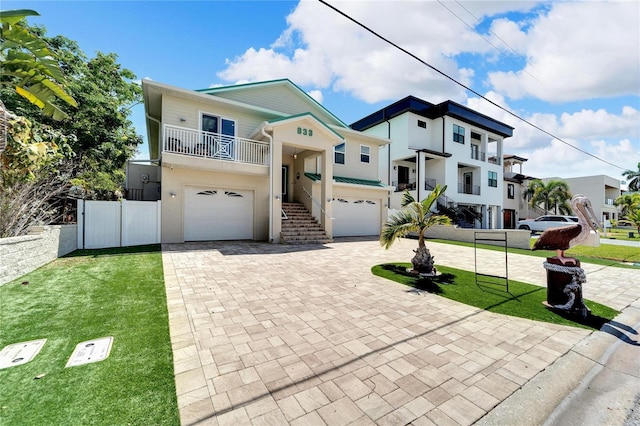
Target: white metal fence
x,y
104,224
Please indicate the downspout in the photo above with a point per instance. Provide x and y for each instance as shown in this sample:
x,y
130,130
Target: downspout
x,y
388,163
159,137
268,136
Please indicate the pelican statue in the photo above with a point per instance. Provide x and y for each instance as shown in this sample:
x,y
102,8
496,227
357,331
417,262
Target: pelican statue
x,y
565,237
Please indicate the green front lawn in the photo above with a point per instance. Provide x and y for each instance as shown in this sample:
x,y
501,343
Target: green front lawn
x,y
523,300
604,254
84,296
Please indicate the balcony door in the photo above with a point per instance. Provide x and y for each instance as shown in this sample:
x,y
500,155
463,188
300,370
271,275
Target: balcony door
x,y
219,136
468,183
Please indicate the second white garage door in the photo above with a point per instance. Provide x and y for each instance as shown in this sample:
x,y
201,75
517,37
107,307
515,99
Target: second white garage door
x,y
356,217
217,214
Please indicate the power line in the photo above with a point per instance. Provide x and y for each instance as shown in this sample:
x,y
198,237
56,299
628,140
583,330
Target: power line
x,y
485,38
423,62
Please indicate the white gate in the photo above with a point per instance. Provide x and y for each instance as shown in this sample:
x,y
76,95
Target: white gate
x,y
104,224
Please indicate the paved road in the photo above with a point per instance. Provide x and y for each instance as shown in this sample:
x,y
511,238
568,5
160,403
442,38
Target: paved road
x,y
306,335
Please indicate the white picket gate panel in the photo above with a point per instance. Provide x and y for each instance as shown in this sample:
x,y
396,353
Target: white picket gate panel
x,y
140,223
105,224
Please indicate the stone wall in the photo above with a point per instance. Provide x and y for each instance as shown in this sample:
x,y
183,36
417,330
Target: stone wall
x,y
515,238
20,255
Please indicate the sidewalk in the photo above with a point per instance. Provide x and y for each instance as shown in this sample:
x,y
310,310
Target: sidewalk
x,y
306,335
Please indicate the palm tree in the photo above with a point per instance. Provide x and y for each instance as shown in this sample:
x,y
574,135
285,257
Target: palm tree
x,y
27,63
627,203
553,194
415,216
634,178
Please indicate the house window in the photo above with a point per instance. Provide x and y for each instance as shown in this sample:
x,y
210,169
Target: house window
x,y
338,154
218,139
458,134
493,179
365,153
422,124
510,191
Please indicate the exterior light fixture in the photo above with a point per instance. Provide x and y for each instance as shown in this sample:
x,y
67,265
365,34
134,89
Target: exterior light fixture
x,y
173,194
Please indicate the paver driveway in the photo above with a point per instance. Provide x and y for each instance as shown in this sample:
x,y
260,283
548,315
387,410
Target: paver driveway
x,y
273,334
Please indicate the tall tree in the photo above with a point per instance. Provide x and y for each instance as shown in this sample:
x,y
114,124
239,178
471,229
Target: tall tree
x,y
104,137
28,65
551,195
634,178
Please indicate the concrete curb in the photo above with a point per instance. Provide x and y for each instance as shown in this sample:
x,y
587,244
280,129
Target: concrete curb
x,y
556,394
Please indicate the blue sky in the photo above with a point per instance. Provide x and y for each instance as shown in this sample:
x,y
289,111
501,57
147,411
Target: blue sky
x,y
570,67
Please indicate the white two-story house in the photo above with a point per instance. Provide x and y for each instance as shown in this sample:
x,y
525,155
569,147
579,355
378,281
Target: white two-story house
x,y
226,160
447,144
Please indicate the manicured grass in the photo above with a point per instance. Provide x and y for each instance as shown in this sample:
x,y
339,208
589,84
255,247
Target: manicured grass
x,y
523,300
605,254
84,296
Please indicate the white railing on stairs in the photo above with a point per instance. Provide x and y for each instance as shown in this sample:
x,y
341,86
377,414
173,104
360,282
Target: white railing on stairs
x,y
316,202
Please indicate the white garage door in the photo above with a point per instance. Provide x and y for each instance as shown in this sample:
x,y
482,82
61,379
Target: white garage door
x,y
356,217
217,214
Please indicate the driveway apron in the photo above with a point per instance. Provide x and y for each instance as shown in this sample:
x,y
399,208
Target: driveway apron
x,y
276,334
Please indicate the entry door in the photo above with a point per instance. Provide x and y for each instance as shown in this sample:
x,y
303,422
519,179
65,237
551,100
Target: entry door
x,y
468,183
285,184
509,219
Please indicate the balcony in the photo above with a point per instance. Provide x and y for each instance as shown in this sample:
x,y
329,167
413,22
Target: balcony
x,y
216,146
476,154
464,188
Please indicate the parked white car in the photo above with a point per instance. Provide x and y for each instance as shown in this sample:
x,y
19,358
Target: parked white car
x,y
544,222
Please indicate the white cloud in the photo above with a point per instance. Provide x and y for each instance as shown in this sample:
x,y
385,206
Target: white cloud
x,y
579,50
317,95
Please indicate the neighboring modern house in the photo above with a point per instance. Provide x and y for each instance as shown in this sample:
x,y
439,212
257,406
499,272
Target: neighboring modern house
x,y
447,144
226,160
515,206
601,190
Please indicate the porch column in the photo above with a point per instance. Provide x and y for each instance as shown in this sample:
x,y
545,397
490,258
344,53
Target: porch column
x,y
421,176
276,191
327,191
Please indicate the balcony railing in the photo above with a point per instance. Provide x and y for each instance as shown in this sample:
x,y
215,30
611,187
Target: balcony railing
x,y
464,188
476,154
180,140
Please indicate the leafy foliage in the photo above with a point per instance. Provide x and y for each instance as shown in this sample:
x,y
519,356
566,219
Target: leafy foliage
x,y
634,178
29,66
415,216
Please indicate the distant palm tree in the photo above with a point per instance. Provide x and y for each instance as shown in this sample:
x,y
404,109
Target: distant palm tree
x,y
415,216
553,194
634,178
627,203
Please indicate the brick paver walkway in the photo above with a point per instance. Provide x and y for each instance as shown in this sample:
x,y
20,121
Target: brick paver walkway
x,y
273,334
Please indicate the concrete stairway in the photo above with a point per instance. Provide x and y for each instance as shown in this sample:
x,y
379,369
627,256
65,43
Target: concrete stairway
x,y
301,227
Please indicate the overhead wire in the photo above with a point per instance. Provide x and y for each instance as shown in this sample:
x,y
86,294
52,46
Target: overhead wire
x,y
366,28
472,28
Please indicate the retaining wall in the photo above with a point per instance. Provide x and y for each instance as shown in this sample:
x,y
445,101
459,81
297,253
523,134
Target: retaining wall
x,y
20,255
516,238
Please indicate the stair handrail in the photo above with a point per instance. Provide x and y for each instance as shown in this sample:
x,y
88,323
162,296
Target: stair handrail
x,y
284,214
317,203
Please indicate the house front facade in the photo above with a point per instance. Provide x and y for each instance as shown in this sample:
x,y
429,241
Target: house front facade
x,y
225,161
447,144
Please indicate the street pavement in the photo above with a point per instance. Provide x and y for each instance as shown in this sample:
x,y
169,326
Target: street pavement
x,y
303,335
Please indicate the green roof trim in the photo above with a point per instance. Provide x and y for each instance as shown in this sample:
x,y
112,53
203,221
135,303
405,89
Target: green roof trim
x,y
353,181
306,114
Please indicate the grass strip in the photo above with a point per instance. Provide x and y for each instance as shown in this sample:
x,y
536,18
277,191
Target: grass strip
x,y
605,254
87,295
523,300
